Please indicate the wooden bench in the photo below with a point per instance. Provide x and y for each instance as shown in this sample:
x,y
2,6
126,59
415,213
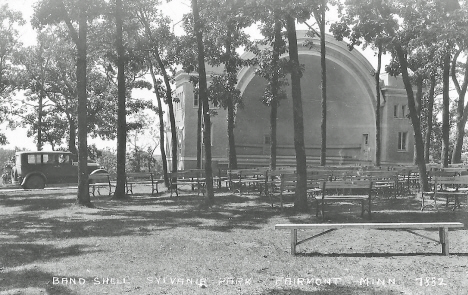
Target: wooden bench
x,y
247,178
344,191
384,182
142,178
446,186
284,182
99,180
193,178
442,226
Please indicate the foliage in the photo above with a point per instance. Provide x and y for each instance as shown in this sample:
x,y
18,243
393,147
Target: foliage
x,y
9,44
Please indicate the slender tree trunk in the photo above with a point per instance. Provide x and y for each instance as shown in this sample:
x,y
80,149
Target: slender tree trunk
x,y
168,101
203,96
121,112
72,139
414,118
419,96
430,109
275,89
232,144
39,124
83,184
161,127
199,133
378,143
462,110
232,80
170,105
273,128
445,111
323,125
300,202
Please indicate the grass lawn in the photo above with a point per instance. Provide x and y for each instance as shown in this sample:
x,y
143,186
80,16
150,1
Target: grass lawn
x,y
162,245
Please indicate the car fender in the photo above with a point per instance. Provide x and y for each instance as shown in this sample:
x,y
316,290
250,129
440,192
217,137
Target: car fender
x,y
100,170
31,174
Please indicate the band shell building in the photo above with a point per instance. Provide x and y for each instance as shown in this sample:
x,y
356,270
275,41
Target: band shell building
x,y
351,104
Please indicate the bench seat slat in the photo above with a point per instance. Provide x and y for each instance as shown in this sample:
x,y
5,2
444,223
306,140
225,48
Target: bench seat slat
x,y
443,228
370,225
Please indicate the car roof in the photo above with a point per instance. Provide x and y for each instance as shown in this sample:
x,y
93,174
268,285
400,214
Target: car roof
x,y
42,152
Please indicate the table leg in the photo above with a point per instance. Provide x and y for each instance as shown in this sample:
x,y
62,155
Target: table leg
x,y
293,241
444,241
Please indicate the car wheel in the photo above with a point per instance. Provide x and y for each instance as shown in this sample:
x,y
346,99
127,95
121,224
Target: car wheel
x,y
35,182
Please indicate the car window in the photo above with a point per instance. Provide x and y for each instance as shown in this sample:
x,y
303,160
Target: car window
x,y
63,158
49,159
34,159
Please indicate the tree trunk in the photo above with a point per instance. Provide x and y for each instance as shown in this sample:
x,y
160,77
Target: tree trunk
x,y
273,128
445,111
119,192
323,125
300,202
83,197
161,127
232,144
378,144
462,110
39,124
419,96
72,139
275,89
232,80
170,105
430,108
199,133
203,97
414,118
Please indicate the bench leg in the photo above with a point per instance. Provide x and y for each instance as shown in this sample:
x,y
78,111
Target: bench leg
x,y
323,209
293,241
316,208
362,208
281,201
444,241
370,210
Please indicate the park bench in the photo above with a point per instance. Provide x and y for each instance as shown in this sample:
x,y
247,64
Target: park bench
x,y
409,227
448,187
384,182
247,178
142,178
194,178
98,181
344,191
284,182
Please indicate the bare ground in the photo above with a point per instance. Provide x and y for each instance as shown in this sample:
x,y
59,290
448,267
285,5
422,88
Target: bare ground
x,y
162,245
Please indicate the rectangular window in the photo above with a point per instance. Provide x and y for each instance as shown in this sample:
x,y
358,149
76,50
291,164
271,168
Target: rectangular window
x,y
266,139
403,111
395,111
365,139
195,100
402,141
34,159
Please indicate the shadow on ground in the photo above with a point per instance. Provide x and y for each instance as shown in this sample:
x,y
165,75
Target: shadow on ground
x,y
32,281
38,215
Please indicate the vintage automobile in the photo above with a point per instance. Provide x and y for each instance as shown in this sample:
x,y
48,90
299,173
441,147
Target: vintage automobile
x,y
35,170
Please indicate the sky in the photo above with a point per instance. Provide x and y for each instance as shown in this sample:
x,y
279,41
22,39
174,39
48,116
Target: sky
x,y
174,9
